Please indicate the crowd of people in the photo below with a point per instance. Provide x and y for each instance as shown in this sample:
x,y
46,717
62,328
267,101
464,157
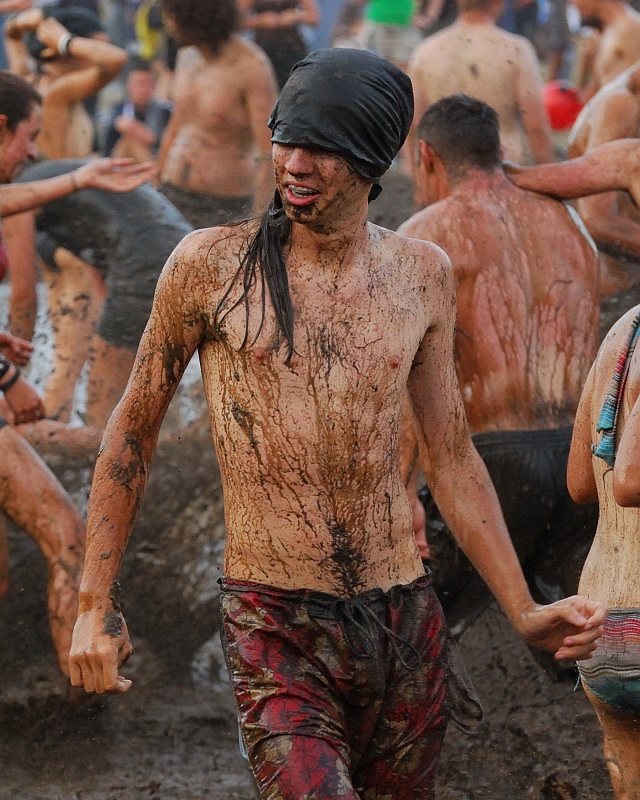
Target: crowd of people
x,y
191,176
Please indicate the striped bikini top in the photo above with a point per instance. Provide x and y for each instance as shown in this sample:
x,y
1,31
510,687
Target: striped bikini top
x,y
608,419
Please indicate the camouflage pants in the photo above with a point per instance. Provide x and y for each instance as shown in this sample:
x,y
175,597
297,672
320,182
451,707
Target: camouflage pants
x,y
338,698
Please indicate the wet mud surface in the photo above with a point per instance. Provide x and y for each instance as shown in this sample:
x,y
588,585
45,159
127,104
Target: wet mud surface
x,y
173,736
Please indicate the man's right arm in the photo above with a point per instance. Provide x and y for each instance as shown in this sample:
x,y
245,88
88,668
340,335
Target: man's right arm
x,y
174,331
607,167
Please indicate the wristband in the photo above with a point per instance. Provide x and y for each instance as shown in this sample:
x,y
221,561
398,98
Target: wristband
x,y
11,381
63,43
5,365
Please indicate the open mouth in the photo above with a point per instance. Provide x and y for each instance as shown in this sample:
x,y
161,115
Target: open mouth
x,y
300,194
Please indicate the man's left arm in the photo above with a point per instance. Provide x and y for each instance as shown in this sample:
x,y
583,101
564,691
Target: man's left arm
x,y
464,494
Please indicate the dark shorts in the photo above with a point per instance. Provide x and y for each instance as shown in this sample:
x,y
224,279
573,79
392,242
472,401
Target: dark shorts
x,y
551,534
338,698
205,210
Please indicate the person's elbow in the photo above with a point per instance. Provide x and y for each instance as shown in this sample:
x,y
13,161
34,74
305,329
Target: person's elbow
x,y
626,486
582,487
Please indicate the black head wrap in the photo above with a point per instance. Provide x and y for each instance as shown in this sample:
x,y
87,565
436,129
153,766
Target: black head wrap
x,y
348,101
77,20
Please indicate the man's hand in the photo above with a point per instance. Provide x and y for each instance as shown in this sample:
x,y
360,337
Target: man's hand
x,y
25,403
99,647
114,174
569,628
15,349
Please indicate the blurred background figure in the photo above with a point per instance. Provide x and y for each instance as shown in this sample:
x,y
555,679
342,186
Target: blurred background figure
x,y
278,27
388,29
135,125
63,52
475,57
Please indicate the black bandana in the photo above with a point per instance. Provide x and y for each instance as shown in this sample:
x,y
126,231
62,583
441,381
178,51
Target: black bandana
x,y
347,101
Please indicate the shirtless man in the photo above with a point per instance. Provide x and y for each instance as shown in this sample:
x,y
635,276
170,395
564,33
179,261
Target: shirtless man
x,y
476,57
604,466
612,218
214,159
308,323
527,331
616,46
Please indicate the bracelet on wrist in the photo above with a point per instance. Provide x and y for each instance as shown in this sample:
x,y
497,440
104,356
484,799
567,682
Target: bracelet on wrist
x,y
5,365
8,384
63,43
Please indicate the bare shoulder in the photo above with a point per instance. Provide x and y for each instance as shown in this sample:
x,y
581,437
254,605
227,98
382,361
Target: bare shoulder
x,y
246,57
206,259
427,222
422,262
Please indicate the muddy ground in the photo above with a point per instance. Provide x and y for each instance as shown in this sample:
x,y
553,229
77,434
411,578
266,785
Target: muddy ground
x,y
173,736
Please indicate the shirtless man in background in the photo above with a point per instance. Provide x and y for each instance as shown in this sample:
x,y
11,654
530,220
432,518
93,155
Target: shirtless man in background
x,y
214,160
308,324
612,218
527,331
616,44
476,57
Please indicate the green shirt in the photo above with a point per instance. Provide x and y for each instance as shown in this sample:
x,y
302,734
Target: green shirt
x,y
390,12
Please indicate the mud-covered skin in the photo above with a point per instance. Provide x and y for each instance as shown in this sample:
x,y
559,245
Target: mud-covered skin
x,y
525,337
314,443
308,445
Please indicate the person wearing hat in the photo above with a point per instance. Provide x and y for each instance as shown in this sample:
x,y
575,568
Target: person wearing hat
x,y
308,323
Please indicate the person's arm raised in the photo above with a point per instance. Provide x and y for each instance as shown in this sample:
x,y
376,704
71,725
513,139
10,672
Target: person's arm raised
x,y
104,62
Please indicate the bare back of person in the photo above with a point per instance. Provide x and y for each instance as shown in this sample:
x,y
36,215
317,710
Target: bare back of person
x,y
483,61
212,144
526,375
297,486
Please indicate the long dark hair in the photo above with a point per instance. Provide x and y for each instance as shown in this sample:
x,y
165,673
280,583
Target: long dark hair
x,y
265,255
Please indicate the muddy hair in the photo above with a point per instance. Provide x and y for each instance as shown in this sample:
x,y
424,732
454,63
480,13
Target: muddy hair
x,y
208,23
264,256
17,98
